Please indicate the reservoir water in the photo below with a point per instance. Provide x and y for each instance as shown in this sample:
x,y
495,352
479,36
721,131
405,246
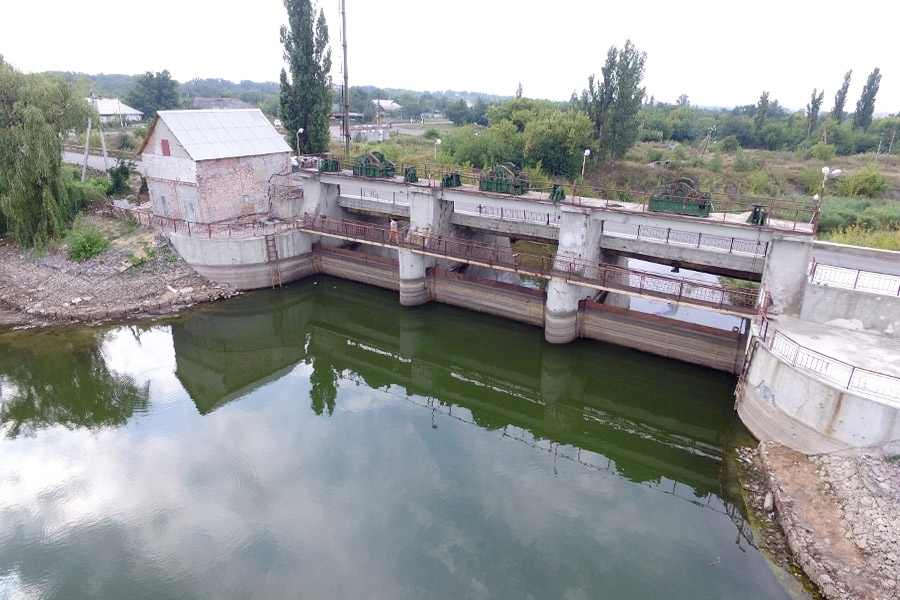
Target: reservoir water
x,y
321,441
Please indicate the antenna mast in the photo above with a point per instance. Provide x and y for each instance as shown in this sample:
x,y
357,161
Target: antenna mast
x,y
346,120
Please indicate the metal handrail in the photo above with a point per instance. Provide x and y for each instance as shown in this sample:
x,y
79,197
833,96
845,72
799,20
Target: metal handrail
x,y
837,372
855,279
796,213
570,269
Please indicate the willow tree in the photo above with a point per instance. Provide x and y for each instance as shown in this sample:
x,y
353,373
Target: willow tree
x,y
37,197
306,96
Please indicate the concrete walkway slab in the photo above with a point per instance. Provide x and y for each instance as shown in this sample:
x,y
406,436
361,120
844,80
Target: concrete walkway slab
x,y
860,349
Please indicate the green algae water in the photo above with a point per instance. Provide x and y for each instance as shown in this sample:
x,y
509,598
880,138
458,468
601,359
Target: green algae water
x,y
320,441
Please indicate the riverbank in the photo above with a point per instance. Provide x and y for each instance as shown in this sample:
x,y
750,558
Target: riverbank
x,y
839,513
138,275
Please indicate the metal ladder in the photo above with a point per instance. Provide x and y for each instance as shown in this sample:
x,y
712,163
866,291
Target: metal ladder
x,y
272,257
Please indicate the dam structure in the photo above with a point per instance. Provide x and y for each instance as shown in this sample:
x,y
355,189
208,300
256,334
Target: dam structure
x,y
444,238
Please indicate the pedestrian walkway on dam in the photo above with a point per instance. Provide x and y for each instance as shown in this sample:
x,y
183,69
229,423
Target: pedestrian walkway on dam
x,y
866,363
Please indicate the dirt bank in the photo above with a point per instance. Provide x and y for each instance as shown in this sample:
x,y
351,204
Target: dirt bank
x,y
839,516
138,275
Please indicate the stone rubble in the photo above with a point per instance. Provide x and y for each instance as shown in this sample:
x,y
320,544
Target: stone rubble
x,y
856,496
52,289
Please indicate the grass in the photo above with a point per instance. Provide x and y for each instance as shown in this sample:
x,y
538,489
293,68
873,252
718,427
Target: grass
x,y
843,213
738,290
859,235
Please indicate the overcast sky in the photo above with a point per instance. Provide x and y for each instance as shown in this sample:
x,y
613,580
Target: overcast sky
x,y
718,53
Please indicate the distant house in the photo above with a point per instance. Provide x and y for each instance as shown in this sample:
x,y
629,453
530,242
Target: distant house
x,y
112,110
385,105
212,165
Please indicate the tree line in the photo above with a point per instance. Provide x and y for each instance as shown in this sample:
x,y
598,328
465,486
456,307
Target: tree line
x,y
769,126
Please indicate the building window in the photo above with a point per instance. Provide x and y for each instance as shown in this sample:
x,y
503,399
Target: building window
x,y
165,148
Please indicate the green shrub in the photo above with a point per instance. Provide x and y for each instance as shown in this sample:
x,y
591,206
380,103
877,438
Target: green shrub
x,y
101,183
431,134
654,155
124,141
758,183
730,143
85,241
867,181
811,180
119,175
822,151
743,162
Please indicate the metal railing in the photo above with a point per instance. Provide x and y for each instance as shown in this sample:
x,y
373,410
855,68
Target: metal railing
x,y
663,235
606,277
798,216
255,225
697,240
839,373
571,269
854,279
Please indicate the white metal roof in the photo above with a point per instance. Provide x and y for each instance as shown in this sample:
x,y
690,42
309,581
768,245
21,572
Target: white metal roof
x,y
113,106
210,134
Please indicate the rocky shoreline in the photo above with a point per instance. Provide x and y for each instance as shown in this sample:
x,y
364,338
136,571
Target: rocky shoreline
x,y
139,275
835,516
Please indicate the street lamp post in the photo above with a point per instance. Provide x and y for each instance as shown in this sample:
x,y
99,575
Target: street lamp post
x,y
437,143
587,153
826,173
299,131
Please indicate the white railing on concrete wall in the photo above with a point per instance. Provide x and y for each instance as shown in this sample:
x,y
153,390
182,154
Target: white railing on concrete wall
x,y
843,375
853,279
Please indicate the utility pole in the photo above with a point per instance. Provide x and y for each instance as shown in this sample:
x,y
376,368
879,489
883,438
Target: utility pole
x,y
706,141
87,143
346,124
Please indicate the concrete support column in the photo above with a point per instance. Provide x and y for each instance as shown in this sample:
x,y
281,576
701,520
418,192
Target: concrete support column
x,y
785,271
616,260
579,238
320,198
413,283
561,312
429,216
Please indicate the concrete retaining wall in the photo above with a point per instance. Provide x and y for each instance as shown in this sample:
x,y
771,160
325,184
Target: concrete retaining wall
x,y
492,297
370,269
780,403
876,313
696,344
243,262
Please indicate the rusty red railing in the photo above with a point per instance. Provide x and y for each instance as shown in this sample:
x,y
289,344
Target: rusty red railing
x,y
572,269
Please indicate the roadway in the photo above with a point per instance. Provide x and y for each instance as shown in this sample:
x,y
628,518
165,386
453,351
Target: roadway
x,y
865,260
95,161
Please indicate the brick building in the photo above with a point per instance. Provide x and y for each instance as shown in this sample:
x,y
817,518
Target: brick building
x,y
205,166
